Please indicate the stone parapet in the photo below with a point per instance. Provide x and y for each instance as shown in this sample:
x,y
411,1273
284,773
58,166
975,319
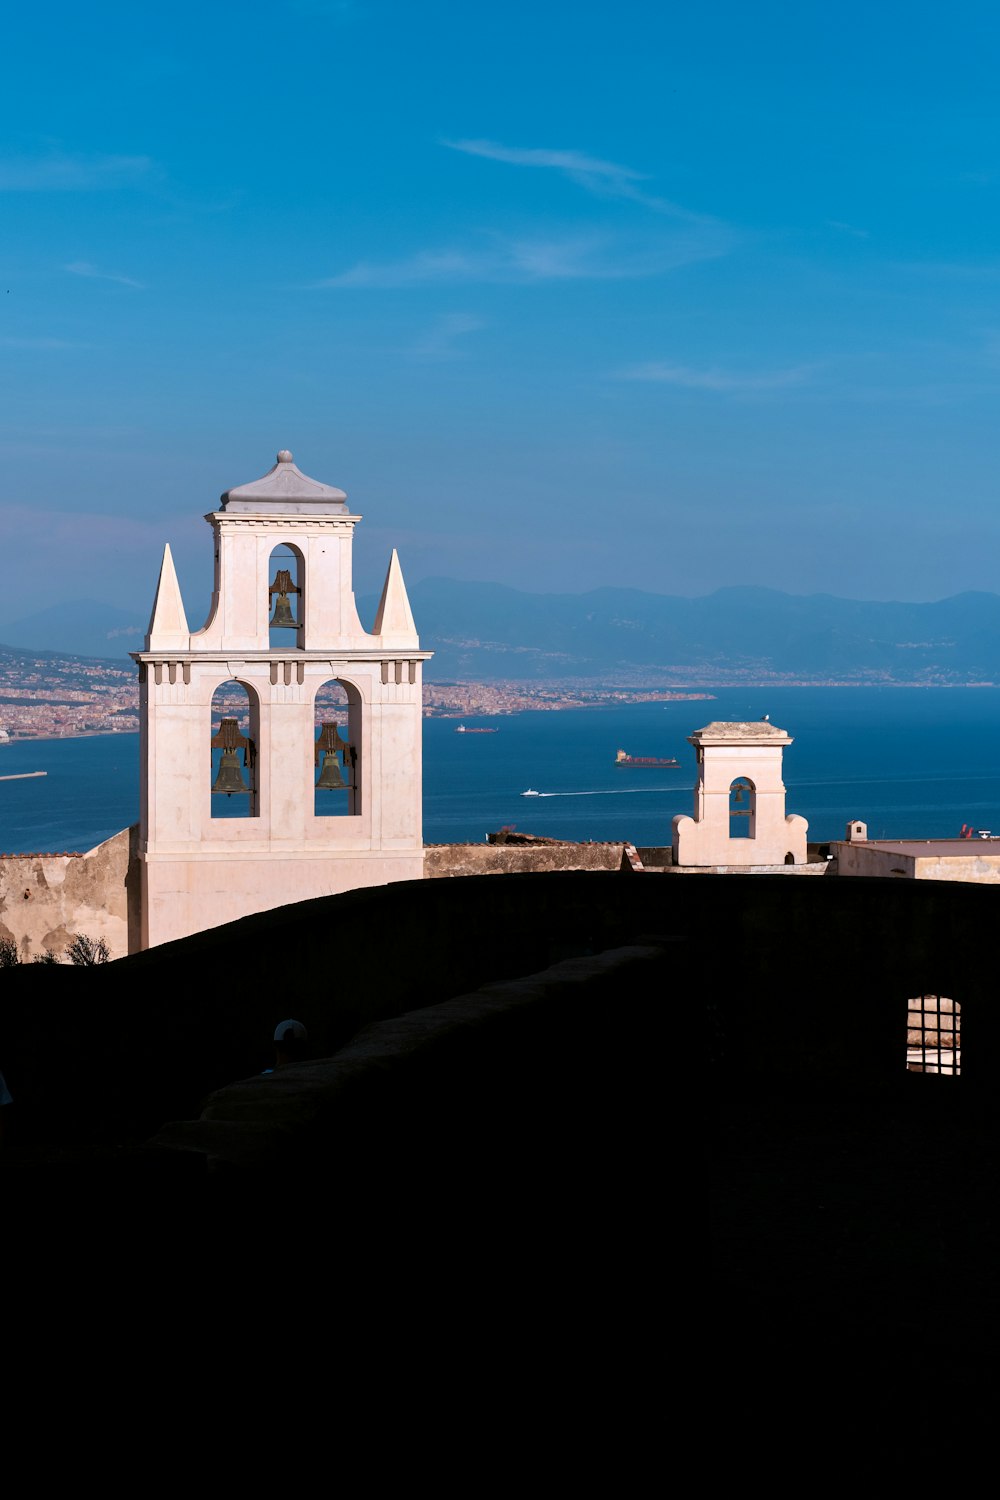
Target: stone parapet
x,y
46,900
445,860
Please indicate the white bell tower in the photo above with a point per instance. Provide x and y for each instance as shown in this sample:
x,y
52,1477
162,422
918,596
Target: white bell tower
x,y
739,801
282,543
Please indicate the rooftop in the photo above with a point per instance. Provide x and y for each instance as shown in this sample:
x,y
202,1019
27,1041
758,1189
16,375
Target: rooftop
x,y
286,490
935,848
741,730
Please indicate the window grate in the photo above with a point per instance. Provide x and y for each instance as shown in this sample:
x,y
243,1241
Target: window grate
x,y
933,1035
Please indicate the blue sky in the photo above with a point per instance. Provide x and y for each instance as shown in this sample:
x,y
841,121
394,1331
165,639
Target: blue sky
x,y
653,295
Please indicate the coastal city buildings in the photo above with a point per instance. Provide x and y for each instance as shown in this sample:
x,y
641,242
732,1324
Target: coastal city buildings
x,y
52,697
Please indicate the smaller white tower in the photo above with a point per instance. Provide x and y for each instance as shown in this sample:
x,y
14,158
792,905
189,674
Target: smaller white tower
x,y
739,801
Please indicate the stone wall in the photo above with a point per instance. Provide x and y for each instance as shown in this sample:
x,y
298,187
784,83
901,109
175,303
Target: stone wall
x,y
398,1088
756,971
442,860
980,868
46,900
823,868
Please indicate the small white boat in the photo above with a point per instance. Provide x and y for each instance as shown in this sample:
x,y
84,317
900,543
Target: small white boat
x,y
531,793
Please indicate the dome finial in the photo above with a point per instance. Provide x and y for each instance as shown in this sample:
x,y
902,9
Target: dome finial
x,y
284,457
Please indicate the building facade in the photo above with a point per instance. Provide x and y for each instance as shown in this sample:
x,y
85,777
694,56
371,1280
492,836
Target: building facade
x,y
283,702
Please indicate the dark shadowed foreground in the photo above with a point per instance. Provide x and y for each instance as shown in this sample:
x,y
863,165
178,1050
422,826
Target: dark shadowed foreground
x,y
674,1115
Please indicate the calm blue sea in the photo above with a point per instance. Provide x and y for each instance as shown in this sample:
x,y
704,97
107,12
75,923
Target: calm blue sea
x,y
911,762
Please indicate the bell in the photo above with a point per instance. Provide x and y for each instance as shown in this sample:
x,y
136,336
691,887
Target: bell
x,y
329,742
230,741
283,619
738,794
230,777
330,777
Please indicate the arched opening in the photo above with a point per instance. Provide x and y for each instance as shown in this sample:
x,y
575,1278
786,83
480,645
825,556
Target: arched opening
x,y
233,744
789,858
742,808
933,1035
285,597
337,751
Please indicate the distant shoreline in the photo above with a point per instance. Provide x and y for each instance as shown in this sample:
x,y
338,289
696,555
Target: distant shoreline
x,y
564,700
79,734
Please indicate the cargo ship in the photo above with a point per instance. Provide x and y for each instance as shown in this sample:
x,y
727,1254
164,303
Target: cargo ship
x,y
461,729
647,762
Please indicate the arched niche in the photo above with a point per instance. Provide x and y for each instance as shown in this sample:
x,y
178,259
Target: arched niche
x,y
337,767
285,597
742,808
234,737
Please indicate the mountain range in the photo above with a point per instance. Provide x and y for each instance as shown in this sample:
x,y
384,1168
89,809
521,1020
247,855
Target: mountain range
x,y
489,632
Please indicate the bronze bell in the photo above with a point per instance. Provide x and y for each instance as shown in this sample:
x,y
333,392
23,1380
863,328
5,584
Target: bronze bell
x,y
230,777
330,776
230,741
283,618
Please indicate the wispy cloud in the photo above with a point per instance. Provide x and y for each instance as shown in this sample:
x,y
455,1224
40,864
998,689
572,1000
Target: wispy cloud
x,y
60,172
860,234
962,270
605,179
84,268
597,257
12,342
715,378
442,341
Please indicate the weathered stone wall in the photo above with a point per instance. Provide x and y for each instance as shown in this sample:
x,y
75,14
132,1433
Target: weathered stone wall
x,y
868,859
862,859
984,869
441,860
809,869
46,900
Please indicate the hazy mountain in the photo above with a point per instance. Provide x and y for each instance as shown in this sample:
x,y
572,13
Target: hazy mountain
x,y
486,631
489,631
81,627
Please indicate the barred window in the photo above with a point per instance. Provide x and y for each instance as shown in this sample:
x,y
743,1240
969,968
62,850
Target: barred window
x,y
933,1035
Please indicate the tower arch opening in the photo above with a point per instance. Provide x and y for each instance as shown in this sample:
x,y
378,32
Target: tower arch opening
x,y
742,808
234,738
285,597
337,768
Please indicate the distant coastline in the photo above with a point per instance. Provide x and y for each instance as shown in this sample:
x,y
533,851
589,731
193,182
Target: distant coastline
x,y
461,700
76,734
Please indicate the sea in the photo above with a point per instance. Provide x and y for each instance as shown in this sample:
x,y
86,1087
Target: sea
x,y
910,762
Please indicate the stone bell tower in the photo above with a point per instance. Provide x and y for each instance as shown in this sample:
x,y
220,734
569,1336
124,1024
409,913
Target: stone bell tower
x,y
266,749
739,801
